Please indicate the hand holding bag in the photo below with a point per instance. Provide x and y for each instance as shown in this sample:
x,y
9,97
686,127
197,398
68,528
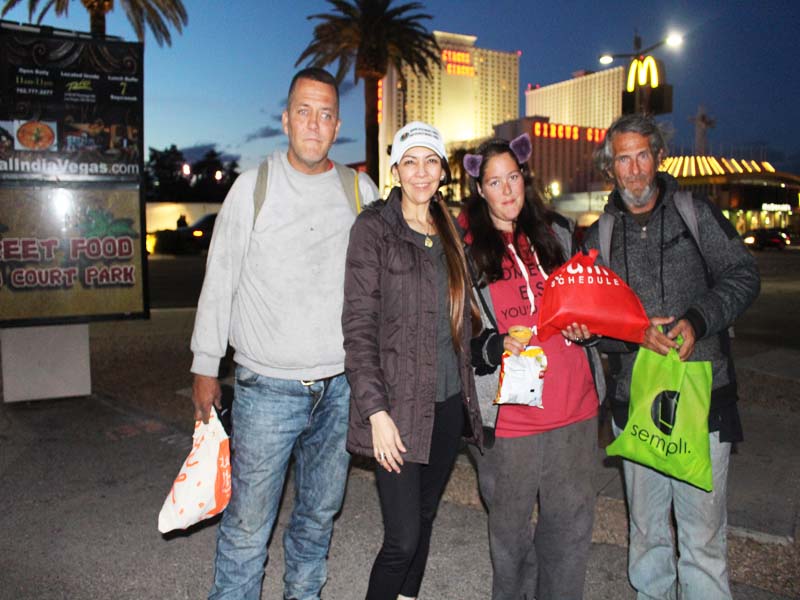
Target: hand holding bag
x,y
581,292
203,486
667,426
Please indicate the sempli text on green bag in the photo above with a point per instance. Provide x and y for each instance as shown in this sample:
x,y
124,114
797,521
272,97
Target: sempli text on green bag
x,y
667,426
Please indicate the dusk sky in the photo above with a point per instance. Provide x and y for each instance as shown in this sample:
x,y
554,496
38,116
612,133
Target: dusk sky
x,y
223,82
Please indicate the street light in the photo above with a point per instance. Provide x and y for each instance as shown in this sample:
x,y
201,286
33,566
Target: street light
x,y
673,40
646,89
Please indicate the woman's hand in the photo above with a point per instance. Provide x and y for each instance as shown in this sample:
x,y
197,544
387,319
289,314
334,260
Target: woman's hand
x,y
577,333
386,442
512,345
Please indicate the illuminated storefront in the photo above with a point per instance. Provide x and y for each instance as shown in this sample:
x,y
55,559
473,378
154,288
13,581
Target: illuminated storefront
x,y
751,193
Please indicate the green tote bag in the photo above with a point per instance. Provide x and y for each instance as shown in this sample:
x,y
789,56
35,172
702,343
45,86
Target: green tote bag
x,y
667,427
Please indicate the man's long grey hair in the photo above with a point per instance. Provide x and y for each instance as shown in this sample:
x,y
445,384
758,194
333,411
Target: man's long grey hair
x,y
645,125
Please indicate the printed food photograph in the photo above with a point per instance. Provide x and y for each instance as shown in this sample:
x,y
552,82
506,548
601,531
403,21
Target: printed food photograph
x,y
36,135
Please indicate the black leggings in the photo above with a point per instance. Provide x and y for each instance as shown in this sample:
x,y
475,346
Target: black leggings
x,y
409,500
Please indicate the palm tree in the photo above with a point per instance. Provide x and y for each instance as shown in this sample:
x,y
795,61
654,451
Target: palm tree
x,y
373,35
155,14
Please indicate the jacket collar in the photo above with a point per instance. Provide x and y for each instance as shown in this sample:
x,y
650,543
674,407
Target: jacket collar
x,y
392,213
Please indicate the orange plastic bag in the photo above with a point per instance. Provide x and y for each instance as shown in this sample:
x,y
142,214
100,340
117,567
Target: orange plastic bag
x,y
202,488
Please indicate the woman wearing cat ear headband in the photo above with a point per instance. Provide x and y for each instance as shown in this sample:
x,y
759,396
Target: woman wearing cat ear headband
x,y
548,451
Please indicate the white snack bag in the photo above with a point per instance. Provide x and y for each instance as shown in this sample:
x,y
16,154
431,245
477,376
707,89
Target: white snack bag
x,y
522,377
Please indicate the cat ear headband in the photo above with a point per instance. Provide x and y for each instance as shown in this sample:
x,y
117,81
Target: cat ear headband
x,y
520,146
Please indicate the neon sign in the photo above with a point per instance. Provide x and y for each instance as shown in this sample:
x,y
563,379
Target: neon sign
x,y
467,70
456,57
458,62
380,101
568,132
642,69
772,207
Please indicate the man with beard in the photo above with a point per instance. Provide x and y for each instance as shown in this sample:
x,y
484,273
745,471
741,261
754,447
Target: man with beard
x,y
693,286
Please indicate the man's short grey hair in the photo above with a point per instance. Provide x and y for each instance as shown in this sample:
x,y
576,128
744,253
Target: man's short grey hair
x,y
637,123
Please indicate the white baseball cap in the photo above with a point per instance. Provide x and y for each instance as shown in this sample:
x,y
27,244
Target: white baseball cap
x,y
416,134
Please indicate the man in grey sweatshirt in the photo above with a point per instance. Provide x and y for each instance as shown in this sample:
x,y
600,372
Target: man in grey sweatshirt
x,y
694,285
274,286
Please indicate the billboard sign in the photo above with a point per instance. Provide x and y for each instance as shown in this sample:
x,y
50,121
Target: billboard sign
x,y
71,203
70,107
646,89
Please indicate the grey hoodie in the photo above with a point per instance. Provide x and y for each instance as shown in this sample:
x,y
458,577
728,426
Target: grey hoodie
x,y
665,267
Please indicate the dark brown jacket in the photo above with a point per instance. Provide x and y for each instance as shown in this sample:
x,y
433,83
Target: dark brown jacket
x,y
389,324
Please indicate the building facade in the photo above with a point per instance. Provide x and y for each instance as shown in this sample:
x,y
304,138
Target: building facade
x,y
587,100
561,161
751,193
473,90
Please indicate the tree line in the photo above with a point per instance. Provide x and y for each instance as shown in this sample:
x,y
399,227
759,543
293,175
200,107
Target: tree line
x,y
169,177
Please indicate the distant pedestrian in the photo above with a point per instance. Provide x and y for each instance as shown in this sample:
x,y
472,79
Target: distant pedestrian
x,y
407,325
542,453
274,288
182,222
694,288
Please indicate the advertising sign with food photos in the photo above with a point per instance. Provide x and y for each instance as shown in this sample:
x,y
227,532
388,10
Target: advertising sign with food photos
x,y
71,204
70,106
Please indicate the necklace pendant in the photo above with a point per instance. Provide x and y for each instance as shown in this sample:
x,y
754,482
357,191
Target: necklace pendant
x,y
428,242
644,233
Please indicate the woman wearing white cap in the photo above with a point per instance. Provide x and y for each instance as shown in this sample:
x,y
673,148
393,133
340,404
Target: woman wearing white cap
x,y
407,324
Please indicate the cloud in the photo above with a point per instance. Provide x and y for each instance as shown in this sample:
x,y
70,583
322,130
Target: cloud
x,y
198,151
343,139
277,117
263,133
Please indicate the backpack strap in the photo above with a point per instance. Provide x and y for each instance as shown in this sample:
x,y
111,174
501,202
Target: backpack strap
x,y
605,228
260,191
685,205
348,177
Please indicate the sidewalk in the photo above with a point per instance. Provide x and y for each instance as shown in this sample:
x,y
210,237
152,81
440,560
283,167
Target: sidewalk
x,y
83,480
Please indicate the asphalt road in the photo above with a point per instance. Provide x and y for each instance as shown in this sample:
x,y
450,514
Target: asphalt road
x,y
175,282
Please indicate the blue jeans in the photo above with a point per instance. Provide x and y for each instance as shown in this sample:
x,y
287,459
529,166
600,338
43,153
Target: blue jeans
x,y
274,419
702,520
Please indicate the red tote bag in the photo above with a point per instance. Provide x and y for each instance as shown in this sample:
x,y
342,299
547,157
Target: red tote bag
x,y
581,292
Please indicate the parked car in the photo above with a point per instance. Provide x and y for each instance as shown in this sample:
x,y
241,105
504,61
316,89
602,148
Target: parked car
x,y
759,239
186,240
198,235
